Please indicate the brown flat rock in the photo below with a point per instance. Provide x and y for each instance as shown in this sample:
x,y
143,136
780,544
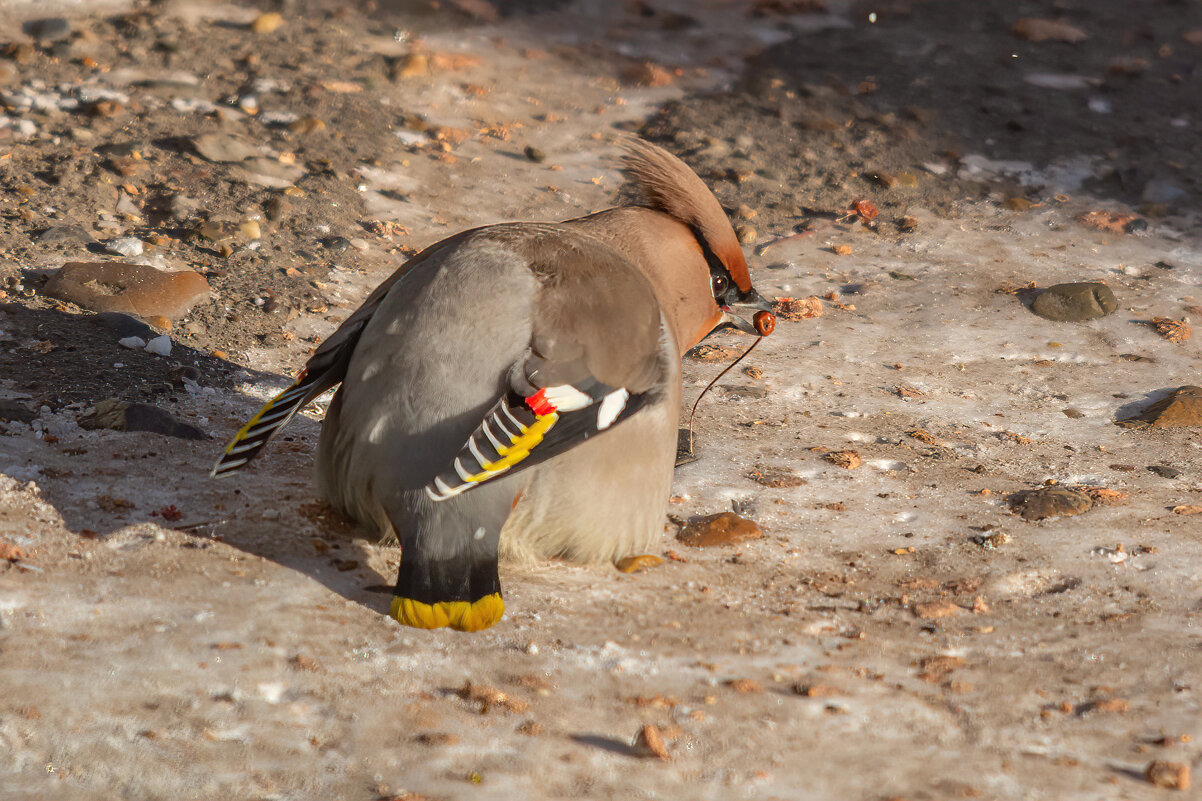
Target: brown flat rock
x,y
1173,775
1052,502
128,288
724,528
776,477
1181,409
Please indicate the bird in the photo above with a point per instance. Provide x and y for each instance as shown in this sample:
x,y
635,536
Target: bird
x,y
514,390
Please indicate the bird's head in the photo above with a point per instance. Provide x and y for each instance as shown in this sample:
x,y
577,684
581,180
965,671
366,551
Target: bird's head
x,y
710,286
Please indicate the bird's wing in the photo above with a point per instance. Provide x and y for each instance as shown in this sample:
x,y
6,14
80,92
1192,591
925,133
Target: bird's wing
x,y
520,432
595,358
325,369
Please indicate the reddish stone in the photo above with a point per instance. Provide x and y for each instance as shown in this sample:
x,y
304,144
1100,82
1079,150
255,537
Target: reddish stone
x,y
725,528
128,288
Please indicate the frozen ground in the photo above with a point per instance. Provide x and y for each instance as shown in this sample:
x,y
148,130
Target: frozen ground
x,y
883,640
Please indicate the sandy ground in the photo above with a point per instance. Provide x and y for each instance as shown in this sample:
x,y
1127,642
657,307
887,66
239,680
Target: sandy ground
x,y
898,632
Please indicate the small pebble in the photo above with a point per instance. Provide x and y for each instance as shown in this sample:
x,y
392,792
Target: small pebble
x,y
1047,502
160,345
1171,775
724,528
848,460
649,742
223,148
133,343
307,125
936,610
267,23
1075,302
637,564
885,179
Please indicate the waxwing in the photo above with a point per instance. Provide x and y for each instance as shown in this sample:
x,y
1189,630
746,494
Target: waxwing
x,y
516,388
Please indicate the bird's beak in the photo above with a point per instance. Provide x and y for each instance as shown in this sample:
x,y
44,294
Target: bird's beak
x,y
748,304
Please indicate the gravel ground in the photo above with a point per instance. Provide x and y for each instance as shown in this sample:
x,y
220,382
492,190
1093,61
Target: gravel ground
x,y
901,630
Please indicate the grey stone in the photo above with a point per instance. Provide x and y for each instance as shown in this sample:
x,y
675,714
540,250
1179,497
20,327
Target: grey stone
x,y
336,244
223,148
745,392
64,235
267,172
1074,303
122,416
50,29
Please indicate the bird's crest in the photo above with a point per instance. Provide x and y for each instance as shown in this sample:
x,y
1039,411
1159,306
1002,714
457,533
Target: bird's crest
x,y
658,180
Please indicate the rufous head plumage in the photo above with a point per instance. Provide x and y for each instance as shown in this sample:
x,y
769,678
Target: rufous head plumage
x,y
659,180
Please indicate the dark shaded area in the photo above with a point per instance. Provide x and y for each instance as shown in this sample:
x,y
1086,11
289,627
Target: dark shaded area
x,y
59,358
824,118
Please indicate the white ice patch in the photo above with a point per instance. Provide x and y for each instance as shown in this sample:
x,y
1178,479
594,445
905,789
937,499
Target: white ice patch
x,y
1061,81
271,692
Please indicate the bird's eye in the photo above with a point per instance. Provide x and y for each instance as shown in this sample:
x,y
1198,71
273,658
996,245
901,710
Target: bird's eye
x,y
720,283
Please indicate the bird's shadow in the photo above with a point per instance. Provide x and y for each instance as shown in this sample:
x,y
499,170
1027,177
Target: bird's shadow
x,y
611,744
103,483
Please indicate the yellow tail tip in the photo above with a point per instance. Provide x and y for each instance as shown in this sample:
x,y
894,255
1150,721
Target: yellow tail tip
x,y
458,615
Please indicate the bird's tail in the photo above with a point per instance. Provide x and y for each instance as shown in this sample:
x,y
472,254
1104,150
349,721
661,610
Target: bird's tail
x,y
261,428
448,573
